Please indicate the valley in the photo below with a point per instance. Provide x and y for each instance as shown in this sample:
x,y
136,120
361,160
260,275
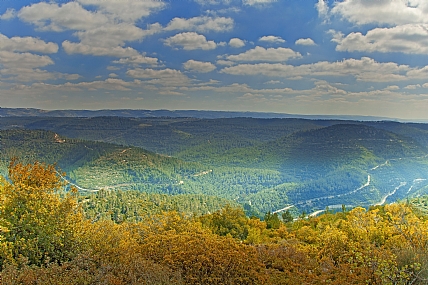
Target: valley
x,y
265,165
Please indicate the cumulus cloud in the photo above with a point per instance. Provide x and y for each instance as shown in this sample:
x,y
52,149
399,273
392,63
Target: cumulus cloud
x,y
9,14
25,67
236,43
421,73
115,35
272,39
79,48
305,42
322,8
138,59
392,12
254,97
411,39
190,41
262,54
54,17
412,86
114,84
165,77
21,44
109,27
201,24
34,74
23,60
126,10
364,69
199,66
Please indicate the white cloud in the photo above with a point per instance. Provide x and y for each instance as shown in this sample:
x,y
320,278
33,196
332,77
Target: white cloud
x,y
79,48
201,24
110,67
322,8
126,10
272,39
267,69
392,12
16,64
253,97
34,74
392,87
262,54
9,14
108,84
23,60
190,41
412,86
365,69
273,82
138,59
166,77
421,73
169,91
69,16
26,44
236,43
199,66
411,39
113,75
257,2
115,35
305,42
109,27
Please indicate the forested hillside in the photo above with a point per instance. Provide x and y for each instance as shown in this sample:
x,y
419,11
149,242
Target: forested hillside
x,y
262,164
46,239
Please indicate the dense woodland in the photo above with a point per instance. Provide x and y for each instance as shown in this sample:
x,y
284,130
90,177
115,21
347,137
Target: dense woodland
x,y
262,164
50,236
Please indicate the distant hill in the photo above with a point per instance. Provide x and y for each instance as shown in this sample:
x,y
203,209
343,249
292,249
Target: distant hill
x,y
263,164
201,114
96,165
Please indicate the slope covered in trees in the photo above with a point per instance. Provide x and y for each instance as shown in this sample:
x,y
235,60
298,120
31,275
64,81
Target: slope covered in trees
x,y
381,245
263,164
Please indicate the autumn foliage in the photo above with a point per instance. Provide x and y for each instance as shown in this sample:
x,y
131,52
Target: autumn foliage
x,y
44,239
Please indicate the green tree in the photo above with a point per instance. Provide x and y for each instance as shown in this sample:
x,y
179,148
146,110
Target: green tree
x,y
227,221
287,217
272,221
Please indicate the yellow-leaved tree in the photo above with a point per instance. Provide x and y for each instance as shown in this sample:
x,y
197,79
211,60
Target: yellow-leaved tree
x,y
39,222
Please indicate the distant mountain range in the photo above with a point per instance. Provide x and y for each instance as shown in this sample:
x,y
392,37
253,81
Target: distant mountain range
x,y
202,114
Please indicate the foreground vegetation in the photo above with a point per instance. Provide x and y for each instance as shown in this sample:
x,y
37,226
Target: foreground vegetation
x,y
46,239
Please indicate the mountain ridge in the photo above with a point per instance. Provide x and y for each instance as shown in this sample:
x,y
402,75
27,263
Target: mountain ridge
x,y
202,114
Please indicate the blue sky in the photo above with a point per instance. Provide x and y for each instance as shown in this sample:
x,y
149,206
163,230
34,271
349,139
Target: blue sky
x,y
354,57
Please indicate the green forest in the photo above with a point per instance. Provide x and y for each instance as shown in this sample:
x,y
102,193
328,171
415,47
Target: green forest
x,y
264,165
52,236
